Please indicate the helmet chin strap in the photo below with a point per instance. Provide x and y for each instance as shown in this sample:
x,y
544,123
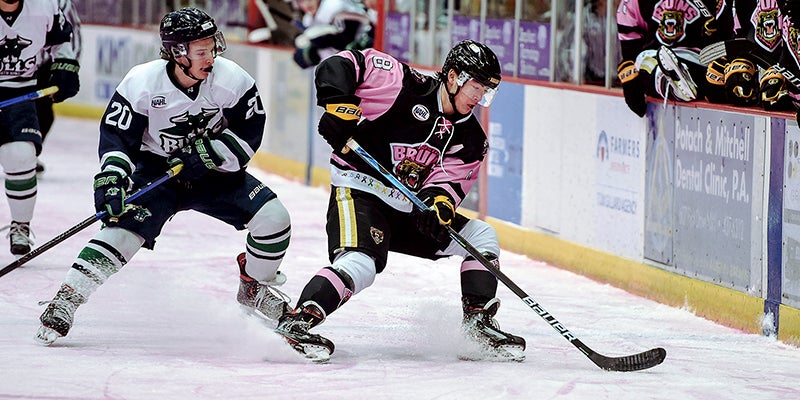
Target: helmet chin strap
x,y
452,98
186,69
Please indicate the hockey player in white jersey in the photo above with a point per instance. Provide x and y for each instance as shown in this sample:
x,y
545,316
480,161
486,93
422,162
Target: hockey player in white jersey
x,y
44,105
203,111
27,29
329,27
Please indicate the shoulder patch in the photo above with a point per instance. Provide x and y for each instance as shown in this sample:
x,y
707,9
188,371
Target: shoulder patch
x,y
420,112
158,101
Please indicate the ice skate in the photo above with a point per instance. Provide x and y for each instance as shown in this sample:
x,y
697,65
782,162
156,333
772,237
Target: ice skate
x,y
677,72
57,317
294,328
19,237
263,300
480,326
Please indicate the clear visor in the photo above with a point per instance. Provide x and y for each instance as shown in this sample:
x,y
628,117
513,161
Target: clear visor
x,y
475,90
200,50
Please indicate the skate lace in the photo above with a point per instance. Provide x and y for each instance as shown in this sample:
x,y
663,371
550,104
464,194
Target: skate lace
x,y
19,233
295,327
59,309
270,295
268,300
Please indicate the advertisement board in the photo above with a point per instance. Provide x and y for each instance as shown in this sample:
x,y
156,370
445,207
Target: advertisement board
x,y
700,199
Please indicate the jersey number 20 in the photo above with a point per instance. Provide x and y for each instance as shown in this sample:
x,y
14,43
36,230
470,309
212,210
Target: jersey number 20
x,y
119,116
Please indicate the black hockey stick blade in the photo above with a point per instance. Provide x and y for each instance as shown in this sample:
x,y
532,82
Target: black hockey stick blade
x,y
634,362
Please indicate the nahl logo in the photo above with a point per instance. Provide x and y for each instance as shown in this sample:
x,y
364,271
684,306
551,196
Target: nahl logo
x,y
158,102
421,112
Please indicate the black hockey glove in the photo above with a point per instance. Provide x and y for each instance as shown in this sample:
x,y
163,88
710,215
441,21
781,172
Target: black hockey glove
x,y
632,87
109,192
198,158
431,221
741,82
306,57
774,94
715,76
64,74
339,123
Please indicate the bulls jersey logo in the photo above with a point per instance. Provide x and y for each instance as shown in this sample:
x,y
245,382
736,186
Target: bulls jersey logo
x,y
187,126
10,53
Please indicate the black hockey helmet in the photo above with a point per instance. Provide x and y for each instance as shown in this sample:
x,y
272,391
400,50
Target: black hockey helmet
x,y
474,60
183,26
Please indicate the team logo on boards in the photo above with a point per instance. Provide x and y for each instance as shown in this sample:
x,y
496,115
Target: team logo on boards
x,y
420,112
602,146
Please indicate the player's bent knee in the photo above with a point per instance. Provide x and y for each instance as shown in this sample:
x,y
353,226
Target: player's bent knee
x,y
359,267
269,217
18,156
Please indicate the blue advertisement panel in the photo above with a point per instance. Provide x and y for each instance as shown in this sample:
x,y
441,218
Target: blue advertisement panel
x,y
713,176
499,36
464,28
534,50
504,164
791,217
396,33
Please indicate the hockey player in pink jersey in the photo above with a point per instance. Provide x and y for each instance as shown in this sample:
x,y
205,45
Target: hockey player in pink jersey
x,y
423,129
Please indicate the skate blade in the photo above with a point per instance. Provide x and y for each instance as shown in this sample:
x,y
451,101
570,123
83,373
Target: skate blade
x,y
314,353
501,354
46,336
671,67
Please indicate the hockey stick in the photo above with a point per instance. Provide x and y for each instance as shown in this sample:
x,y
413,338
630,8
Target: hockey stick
x,y
746,48
30,96
634,362
174,170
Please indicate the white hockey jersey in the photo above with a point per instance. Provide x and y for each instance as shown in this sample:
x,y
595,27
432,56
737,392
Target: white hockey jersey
x,y
330,20
71,14
39,25
149,113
